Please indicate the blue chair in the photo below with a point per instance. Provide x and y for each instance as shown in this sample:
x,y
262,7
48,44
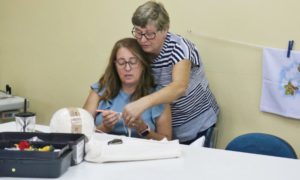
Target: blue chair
x,y
260,143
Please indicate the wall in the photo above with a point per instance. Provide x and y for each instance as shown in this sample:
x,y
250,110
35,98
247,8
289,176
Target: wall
x,y
52,50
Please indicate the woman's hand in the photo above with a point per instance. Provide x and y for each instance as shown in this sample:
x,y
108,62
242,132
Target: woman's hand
x,y
109,119
137,124
133,110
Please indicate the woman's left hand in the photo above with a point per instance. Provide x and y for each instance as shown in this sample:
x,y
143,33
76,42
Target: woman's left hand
x,y
110,118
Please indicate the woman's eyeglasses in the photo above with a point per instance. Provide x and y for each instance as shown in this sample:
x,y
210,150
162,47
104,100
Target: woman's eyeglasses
x,y
139,35
132,62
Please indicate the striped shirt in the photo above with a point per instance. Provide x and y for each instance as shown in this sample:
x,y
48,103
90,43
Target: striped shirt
x,y
198,97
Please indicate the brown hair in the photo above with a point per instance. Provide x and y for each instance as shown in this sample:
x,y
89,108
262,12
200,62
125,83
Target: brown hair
x,y
110,81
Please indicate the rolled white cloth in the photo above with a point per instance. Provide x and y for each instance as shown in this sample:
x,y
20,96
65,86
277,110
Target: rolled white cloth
x,y
131,149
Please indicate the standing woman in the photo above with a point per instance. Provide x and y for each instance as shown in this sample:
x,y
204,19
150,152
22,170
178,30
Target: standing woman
x,y
127,78
176,67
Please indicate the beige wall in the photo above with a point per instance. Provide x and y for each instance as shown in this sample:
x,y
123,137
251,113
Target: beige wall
x,y
52,50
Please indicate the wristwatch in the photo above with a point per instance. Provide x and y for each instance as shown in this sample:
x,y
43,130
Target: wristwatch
x,y
145,132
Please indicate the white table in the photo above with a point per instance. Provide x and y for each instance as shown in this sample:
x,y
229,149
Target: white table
x,y
195,163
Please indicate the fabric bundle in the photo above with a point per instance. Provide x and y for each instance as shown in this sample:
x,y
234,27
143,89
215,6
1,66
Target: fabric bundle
x,y
129,149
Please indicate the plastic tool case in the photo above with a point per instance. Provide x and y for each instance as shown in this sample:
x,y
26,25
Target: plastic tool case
x,y
36,163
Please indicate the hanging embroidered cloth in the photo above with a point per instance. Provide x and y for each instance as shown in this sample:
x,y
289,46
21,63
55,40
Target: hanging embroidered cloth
x,y
281,83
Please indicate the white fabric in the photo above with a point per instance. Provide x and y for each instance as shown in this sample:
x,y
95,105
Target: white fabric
x,y
278,71
131,149
199,142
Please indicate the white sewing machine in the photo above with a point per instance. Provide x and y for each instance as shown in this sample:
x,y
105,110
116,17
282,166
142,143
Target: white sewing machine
x,y
9,105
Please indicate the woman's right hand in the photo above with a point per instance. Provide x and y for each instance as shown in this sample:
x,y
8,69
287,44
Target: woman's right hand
x,y
109,119
133,110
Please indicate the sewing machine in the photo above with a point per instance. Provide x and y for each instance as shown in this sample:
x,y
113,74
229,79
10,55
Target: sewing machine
x,y
10,105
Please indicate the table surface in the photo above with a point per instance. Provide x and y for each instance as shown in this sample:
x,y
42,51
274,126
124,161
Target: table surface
x,y
195,163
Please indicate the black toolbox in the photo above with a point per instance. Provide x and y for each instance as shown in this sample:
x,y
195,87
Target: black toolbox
x,y
40,164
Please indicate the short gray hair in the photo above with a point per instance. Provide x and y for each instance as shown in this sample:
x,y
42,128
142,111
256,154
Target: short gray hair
x,y
151,12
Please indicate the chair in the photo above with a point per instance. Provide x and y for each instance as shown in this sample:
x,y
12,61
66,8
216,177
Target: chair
x,y
211,137
260,143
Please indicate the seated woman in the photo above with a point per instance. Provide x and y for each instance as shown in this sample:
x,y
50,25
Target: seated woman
x,y
127,78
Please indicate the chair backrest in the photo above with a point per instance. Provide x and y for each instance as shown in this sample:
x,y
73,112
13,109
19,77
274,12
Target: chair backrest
x,y
260,143
211,137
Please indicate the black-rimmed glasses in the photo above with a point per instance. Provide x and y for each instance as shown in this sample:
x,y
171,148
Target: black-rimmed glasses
x,y
139,35
132,62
